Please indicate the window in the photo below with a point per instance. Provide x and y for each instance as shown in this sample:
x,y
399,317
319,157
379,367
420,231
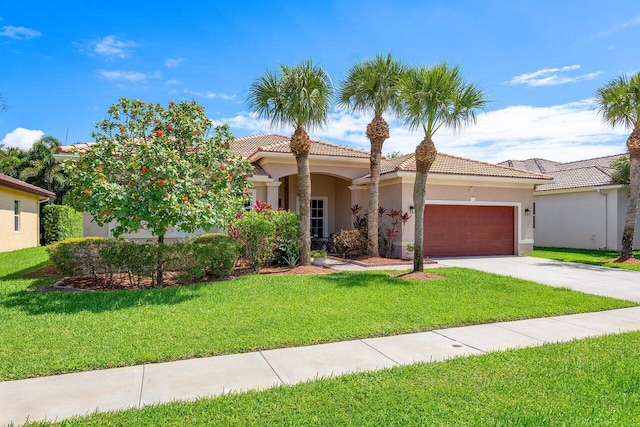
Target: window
x,y
534,215
318,217
16,215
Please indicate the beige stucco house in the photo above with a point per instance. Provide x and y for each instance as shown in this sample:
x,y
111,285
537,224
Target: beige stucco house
x,y
472,208
20,213
583,208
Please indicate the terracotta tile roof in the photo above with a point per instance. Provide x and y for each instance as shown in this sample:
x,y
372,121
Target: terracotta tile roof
x,y
258,171
448,164
273,143
70,149
579,174
16,184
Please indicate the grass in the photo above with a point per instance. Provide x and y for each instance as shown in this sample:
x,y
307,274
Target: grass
x,y
584,256
591,382
46,333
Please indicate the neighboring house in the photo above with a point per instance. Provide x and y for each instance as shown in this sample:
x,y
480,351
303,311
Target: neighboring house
x,y
20,213
473,208
582,208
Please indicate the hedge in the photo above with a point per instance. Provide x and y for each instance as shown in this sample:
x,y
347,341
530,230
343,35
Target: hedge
x,y
60,222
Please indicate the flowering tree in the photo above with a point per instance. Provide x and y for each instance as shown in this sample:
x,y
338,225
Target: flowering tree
x,y
154,167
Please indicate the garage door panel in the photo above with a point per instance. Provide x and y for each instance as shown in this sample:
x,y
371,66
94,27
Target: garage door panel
x,y
451,230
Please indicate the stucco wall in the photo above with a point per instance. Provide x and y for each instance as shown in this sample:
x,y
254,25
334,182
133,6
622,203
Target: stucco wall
x,y
335,190
584,219
29,234
398,193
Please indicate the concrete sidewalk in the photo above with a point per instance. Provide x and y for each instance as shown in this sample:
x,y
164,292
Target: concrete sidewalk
x,y
62,396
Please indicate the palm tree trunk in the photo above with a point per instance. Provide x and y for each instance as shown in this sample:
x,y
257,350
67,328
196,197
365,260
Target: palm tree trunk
x,y
301,145
377,132
633,144
425,156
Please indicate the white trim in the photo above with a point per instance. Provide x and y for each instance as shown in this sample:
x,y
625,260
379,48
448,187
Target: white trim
x,y
579,189
487,203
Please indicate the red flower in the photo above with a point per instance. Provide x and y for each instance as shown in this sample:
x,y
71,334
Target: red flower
x,y
161,182
185,198
159,132
143,170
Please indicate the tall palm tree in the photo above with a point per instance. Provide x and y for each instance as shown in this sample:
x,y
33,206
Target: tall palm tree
x,y
42,169
372,86
618,102
296,96
433,97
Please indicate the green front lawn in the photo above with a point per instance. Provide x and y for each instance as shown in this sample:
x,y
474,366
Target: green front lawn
x,y
592,382
584,256
45,333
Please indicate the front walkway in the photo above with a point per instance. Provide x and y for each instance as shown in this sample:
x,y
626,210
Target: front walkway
x,y
62,396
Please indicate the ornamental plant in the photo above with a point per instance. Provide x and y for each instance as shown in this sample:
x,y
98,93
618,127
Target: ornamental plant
x,y
154,168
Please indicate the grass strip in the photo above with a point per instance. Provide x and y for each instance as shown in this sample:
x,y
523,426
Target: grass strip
x,y
584,256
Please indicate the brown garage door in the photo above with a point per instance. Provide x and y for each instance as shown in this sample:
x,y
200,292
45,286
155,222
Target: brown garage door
x,y
468,230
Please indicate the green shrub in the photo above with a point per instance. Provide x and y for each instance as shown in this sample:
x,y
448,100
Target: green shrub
x,y
350,242
137,260
217,252
60,223
287,236
256,234
81,255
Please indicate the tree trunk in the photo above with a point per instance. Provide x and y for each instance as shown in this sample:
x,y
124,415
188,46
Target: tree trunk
x,y
160,263
633,144
377,132
425,156
301,145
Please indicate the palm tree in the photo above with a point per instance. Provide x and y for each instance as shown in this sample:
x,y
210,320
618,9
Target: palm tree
x,y
42,169
12,160
372,86
621,170
433,97
618,102
297,96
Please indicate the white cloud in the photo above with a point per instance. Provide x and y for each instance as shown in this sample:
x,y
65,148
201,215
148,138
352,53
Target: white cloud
x,y
19,32
173,62
110,47
618,27
551,77
129,76
562,133
21,138
211,95
172,82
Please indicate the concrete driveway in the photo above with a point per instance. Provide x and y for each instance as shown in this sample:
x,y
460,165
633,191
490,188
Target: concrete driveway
x,y
610,282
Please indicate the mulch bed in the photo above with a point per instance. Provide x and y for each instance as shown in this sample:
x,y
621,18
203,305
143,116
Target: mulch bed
x,y
627,261
372,261
48,271
121,281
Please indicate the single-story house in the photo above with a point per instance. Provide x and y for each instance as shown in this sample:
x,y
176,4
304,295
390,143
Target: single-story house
x,y
582,208
20,213
473,208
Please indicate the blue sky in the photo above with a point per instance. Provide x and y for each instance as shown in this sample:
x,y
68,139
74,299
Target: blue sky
x,y
540,62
